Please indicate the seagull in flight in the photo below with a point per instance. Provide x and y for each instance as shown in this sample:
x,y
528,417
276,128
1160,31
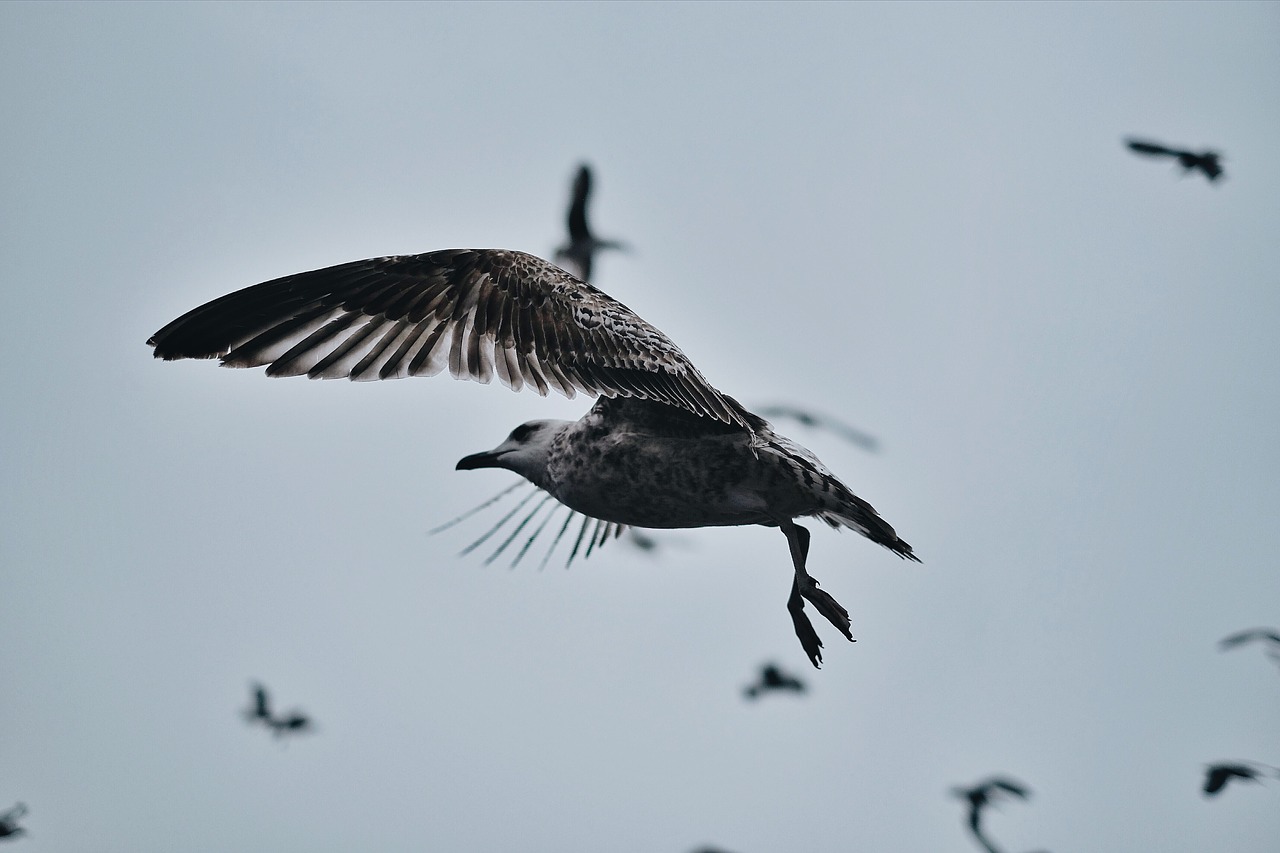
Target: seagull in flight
x,y
773,678
576,255
260,712
1268,637
984,794
1206,161
1216,776
661,448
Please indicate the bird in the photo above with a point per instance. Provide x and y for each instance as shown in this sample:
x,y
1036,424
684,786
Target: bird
x,y
1206,161
773,678
661,447
577,255
818,421
9,822
260,712
984,794
1216,776
1267,635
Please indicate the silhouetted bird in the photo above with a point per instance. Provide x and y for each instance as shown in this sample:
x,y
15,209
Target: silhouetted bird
x,y
9,822
1267,635
809,418
1205,161
773,678
260,712
662,448
982,795
577,255
1216,776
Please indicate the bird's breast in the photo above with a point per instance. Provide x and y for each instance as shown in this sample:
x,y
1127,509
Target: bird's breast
x,y
657,481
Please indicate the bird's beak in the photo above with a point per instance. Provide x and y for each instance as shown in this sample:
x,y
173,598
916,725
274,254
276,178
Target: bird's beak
x,y
488,459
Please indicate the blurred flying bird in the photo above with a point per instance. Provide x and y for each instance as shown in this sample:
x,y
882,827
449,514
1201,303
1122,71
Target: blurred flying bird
x,y
1205,161
984,794
1267,637
773,678
577,255
1216,776
9,822
661,448
260,712
809,418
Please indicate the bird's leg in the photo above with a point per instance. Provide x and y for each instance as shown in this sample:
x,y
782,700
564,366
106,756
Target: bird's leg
x,y
806,586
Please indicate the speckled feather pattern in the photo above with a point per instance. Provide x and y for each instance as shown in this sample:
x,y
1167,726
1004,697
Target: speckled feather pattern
x,y
478,312
647,465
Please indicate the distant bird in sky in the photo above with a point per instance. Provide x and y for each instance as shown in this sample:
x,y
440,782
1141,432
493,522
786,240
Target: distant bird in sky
x,y
577,255
809,418
9,822
661,448
260,712
1207,162
1216,776
1263,635
1269,638
772,678
984,794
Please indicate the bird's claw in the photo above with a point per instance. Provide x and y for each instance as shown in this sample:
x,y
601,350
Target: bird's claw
x,y
830,608
804,628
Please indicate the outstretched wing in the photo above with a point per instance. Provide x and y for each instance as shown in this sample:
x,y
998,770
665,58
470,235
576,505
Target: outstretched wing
x,y
1247,636
478,312
1153,149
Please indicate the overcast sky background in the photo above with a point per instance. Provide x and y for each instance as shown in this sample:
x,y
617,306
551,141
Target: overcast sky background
x,y
918,218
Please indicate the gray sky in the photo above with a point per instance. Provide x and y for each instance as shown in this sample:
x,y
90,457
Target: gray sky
x,y
918,218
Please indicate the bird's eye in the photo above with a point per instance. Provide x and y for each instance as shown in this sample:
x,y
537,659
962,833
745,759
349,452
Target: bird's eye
x,y
521,432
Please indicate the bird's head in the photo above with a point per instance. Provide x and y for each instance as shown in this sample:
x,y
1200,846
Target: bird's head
x,y
525,451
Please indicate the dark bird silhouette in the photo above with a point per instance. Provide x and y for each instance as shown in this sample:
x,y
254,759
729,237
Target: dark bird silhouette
x,y
294,722
1267,637
9,822
577,255
809,418
982,795
1216,776
773,678
1206,161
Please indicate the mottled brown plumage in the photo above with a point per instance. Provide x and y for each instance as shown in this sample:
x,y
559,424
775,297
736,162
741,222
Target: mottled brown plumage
x,y
478,312
661,448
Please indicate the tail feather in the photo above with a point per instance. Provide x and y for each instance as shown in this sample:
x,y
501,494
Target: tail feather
x,y
856,514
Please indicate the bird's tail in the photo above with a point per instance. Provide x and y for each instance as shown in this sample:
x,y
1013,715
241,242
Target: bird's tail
x,y
853,512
